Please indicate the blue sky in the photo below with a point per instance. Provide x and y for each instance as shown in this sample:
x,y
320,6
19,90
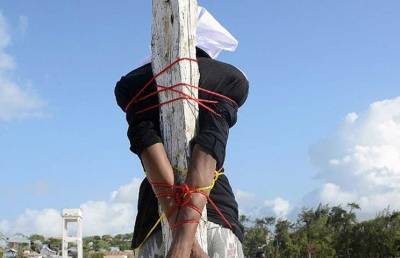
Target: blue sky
x,y
309,64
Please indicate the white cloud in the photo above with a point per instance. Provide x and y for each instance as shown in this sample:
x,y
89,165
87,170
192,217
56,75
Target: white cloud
x,y
360,162
99,217
280,207
351,117
331,193
47,222
252,206
114,216
15,101
126,193
244,197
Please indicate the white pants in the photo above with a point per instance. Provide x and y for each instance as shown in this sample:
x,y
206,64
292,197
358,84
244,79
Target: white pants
x,y
222,243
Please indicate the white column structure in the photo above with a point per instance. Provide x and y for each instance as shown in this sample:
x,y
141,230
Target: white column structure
x,y
72,216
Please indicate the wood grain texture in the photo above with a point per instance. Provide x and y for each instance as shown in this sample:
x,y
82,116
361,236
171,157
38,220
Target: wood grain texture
x,y
173,37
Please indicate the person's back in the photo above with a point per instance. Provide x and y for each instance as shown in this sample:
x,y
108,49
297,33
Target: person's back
x,y
215,76
223,88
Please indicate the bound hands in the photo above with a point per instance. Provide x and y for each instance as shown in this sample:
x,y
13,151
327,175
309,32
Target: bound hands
x,y
200,174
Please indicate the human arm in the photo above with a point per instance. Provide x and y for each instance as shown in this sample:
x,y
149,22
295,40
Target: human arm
x,y
200,174
158,169
145,140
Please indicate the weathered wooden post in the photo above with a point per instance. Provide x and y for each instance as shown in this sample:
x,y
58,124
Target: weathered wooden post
x,y
173,37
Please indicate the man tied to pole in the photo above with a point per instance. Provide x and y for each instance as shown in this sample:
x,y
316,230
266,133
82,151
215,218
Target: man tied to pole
x,y
227,88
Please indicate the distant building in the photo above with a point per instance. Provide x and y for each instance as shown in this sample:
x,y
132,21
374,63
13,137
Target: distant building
x,y
90,245
72,216
47,252
119,254
130,253
19,241
33,255
3,244
114,249
10,253
37,245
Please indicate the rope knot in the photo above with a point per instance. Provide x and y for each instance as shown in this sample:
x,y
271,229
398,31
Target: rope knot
x,y
183,195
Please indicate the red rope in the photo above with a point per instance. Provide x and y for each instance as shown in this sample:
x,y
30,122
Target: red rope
x,y
183,196
182,193
183,96
154,78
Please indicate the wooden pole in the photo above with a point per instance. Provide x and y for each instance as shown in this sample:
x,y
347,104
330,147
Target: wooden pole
x,y
173,37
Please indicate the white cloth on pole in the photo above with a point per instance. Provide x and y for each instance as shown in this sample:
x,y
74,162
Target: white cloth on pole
x,y
211,36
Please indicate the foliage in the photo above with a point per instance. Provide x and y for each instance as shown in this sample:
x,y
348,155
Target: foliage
x,y
53,243
324,232
95,255
92,246
36,237
105,242
256,236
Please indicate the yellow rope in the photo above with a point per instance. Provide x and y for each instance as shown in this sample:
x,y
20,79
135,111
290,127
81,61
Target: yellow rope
x,y
217,174
136,251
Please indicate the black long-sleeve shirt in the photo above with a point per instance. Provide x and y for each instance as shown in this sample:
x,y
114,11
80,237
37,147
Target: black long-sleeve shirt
x,y
213,135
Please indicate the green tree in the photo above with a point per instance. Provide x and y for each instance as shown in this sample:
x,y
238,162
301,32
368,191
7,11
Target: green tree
x,y
379,237
36,237
256,236
36,242
325,232
283,243
314,234
107,238
101,245
96,255
343,223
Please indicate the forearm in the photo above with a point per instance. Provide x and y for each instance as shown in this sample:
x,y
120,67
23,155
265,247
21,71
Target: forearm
x,y
200,174
158,169
201,169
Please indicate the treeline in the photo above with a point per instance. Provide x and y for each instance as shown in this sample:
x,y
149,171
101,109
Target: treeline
x,y
90,244
324,232
105,242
